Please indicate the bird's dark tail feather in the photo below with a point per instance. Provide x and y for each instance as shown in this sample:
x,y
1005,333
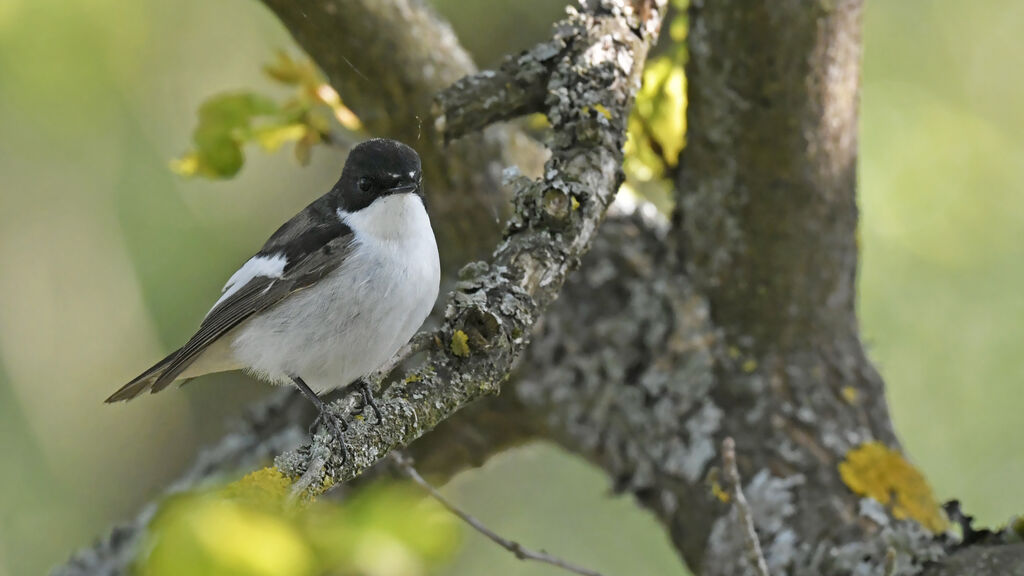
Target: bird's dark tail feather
x,y
143,381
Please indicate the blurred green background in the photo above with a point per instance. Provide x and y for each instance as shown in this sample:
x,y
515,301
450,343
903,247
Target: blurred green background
x,y
107,260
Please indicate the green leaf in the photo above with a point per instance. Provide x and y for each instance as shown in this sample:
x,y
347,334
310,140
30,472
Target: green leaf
x,y
250,528
270,138
291,72
234,109
219,153
224,125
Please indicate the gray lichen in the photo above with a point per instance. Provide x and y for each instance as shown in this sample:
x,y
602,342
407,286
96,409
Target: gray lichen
x,y
773,502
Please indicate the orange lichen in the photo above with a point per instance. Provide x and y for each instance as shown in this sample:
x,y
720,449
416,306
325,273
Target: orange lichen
x,y
879,472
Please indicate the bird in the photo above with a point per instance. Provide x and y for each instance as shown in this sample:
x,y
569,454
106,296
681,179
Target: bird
x,y
331,296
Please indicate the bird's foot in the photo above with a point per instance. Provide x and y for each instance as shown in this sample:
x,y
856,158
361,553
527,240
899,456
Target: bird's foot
x,y
335,425
326,415
368,400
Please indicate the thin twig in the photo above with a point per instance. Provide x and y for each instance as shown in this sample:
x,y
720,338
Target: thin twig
x,y
752,545
406,466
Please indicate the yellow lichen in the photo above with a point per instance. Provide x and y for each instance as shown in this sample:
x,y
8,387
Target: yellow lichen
x,y
734,352
264,486
460,344
413,378
717,490
575,203
328,483
850,394
877,471
603,111
749,365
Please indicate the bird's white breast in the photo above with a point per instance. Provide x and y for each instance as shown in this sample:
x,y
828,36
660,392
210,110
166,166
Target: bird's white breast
x,y
356,318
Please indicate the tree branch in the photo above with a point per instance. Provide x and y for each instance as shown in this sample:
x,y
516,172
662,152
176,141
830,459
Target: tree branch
x,y
517,88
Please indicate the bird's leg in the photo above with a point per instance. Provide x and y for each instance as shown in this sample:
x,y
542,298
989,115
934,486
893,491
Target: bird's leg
x,y
335,423
364,388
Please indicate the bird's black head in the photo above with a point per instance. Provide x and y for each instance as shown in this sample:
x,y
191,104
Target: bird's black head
x,y
378,168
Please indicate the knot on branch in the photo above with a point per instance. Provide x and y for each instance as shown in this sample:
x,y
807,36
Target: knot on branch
x,y
551,205
484,314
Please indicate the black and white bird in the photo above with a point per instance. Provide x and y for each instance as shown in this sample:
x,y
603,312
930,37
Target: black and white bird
x,y
331,296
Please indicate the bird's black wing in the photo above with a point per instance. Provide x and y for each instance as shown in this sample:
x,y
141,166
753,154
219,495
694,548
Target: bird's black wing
x,y
312,247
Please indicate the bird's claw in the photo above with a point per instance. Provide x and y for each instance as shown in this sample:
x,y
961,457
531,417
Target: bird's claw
x,y
335,425
368,400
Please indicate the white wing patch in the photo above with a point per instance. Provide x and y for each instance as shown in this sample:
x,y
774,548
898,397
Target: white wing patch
x,y
269,266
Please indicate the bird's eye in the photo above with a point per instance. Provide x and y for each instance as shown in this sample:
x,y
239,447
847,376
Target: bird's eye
x,y
364,184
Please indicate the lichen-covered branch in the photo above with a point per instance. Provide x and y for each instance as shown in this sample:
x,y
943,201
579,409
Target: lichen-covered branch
x,y
518,87
491,313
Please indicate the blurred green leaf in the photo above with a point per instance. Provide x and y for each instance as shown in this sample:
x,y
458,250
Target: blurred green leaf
x,y
210,535
270,138
291,72
249,528
227,122
657,125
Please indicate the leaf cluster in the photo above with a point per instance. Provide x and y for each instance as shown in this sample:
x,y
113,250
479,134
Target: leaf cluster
x,y
229,121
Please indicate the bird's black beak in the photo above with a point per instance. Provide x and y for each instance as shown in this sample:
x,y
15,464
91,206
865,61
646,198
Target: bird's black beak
x,y
404,188
406,185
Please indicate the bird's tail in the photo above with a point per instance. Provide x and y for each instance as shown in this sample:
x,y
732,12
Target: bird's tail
x,y
143,381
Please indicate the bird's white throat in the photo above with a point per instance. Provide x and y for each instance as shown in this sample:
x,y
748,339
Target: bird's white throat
x,y
390,218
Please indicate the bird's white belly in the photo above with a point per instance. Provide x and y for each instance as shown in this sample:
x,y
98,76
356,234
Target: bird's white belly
x,y
351,322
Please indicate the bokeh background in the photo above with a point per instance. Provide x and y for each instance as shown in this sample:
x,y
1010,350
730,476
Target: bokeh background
x,y
108,260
